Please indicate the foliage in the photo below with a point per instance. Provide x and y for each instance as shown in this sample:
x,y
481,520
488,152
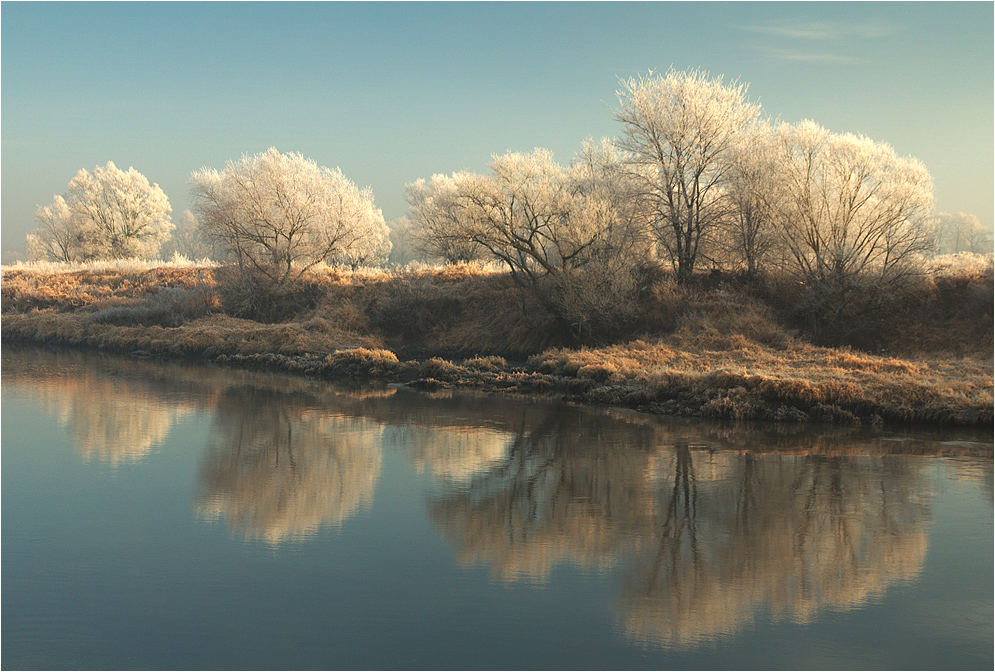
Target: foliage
x,y
107,214
853,215
961,232
680,130
278,215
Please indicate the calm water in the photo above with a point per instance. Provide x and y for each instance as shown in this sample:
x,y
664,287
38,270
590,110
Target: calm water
x,y
172,516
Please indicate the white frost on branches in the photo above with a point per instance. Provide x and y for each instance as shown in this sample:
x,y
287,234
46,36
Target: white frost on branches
x,y
281,214
107,214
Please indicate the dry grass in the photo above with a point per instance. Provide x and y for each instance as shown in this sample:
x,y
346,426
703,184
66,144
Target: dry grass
x,y
798,381
717,348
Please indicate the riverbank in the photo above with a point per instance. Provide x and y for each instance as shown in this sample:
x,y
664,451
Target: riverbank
x,y
716,349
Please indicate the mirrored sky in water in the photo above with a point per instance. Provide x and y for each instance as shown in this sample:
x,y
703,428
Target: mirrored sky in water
x,y
206,504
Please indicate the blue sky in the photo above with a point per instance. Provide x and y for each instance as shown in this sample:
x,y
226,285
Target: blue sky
x,y
394,92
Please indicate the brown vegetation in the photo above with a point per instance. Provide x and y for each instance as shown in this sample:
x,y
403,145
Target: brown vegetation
x,y
717,347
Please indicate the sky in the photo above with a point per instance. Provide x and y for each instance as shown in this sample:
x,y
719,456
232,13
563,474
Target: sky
x,y
394,92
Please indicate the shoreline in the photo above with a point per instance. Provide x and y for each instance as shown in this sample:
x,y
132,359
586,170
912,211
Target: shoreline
x,y
731,361
720,395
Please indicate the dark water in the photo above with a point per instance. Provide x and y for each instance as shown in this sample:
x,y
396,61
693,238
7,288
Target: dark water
x,y
171,516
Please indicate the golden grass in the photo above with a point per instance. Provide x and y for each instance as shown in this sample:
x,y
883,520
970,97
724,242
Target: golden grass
x,y
798,379
722,352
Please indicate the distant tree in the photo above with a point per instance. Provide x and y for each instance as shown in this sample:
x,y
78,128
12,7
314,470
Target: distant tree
x,y
403,243
853,214
277,215
187,240
438,219
679,130
961,232
107,214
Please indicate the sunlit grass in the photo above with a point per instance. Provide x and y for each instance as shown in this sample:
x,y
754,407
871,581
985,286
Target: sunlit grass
x,y
721,351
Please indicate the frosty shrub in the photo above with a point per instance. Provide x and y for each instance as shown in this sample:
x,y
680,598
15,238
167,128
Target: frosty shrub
x,y
561,231
106,214
281,214
275,216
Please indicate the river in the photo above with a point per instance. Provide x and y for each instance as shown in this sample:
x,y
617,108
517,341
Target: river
x,y
179,516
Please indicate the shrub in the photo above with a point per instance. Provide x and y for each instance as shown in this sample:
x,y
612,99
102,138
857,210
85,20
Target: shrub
x,y
255,297
166,307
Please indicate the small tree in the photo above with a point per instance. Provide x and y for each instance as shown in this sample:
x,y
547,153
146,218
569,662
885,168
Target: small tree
x,y
679,130
107,214
438,219
961,232
558,231
853,214
277,215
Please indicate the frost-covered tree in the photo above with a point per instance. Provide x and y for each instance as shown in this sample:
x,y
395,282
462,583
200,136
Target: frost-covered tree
x,y
961,232
277,215
679,130
438,219
559,230
106,214
749,235
853,214
61,236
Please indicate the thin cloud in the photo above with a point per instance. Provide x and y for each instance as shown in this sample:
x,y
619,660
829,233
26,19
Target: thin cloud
x,y
816,41
808,56
823,31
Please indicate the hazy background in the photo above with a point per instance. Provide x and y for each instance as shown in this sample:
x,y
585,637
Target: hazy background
x,y
393,92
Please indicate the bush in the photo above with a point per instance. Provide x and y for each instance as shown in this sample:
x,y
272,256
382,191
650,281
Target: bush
x,y
255,297
166,307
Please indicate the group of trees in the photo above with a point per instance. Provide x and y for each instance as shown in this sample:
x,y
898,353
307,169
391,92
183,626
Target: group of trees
x,y
106,214
273,215
700,176
697,177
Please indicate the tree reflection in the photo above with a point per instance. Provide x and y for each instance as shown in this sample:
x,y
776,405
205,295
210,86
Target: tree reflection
x,y
566,491
708,524
277,468
791,535
109,419
708,539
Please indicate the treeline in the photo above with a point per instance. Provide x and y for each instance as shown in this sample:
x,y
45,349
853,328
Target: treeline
x,y
697,179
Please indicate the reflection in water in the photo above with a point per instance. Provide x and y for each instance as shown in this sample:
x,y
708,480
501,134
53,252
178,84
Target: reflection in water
x,y
453,454
111,420
709,538
706,526
276,469
789,534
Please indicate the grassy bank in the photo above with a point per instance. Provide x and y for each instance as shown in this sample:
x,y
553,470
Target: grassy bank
x,y
719,347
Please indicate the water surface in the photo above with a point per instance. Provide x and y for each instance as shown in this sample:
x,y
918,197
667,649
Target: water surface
x,y
173,516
